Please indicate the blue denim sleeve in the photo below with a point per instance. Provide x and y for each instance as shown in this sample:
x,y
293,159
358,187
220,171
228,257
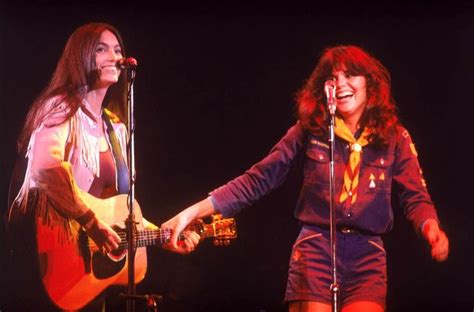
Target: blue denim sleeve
x,y
413,193
262,177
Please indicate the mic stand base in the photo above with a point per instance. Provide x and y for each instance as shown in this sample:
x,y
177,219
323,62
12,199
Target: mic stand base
x,y
151,301
334,293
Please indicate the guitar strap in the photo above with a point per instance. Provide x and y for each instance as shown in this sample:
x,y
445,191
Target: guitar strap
x,y
123,177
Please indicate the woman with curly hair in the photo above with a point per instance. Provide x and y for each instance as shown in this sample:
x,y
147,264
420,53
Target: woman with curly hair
x,y
372,153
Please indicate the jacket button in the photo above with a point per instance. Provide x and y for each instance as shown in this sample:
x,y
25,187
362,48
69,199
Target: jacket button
x,y
349,215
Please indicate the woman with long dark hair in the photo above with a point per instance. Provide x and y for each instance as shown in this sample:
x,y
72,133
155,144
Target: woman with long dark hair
x,y
74,142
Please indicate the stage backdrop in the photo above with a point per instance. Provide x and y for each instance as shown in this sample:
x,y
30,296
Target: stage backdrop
x,y
215,91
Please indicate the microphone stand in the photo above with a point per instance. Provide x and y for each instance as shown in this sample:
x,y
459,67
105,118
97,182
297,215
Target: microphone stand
x,y
130,65
130,222
330,89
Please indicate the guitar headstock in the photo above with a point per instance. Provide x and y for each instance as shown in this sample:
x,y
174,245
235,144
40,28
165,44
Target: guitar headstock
x,y
221,229
225,229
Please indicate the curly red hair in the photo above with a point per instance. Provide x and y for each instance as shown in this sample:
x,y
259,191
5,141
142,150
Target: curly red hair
x,y
380,113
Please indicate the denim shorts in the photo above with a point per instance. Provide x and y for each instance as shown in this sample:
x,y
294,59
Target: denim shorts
x,y
361,267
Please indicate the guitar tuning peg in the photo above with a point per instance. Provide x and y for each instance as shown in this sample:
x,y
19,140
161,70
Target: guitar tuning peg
x,y
216,217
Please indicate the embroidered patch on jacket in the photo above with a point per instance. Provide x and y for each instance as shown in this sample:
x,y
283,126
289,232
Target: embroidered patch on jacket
x,y
382,177
372,181
405,134
296,255
413,149
422,180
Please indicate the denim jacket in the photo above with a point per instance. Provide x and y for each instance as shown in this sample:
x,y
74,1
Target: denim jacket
x,y
380,169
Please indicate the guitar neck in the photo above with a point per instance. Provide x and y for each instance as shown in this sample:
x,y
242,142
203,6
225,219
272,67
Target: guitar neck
x,y
159,237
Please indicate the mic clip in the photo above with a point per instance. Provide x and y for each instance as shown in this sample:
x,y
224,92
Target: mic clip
x,y
127,63
330,90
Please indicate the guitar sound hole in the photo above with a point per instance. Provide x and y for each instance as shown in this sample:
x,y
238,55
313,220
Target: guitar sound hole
x,y
104,267
117,254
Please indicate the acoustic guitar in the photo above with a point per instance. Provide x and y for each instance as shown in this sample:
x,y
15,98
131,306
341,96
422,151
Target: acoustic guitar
x,y
74,271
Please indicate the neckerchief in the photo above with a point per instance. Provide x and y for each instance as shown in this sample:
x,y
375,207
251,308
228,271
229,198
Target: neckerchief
x,y
351,173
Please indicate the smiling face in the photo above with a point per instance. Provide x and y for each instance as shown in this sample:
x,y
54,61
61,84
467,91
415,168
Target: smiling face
x,y
351,94
107,53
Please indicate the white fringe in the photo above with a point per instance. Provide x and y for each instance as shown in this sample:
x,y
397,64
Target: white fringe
x,y
22,196
89,143
89,151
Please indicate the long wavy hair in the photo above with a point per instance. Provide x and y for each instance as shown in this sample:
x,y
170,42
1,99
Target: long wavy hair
x,y
380,113
76,73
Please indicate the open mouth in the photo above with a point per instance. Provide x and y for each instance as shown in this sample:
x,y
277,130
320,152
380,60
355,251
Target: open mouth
x,y
110,69
343,96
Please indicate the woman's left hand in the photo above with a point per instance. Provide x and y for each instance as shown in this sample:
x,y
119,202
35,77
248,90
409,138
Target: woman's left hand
x,y
437,239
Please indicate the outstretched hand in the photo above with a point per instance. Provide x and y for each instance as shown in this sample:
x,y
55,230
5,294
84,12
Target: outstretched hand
x,y
187,245
178,224
437,239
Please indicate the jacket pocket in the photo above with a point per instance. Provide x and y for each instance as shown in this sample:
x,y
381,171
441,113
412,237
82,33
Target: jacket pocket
x,y
376,173
316,166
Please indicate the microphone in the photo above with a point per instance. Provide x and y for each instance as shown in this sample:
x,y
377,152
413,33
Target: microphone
x,y
330,90
127,63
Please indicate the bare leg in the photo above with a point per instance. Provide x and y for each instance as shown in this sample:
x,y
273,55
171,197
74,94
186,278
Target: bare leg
x,y
363,306
309,306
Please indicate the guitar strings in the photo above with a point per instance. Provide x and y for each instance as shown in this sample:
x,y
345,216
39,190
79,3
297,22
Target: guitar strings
x,y
147,237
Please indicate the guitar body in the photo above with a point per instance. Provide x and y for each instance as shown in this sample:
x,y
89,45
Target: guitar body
x,y
72,272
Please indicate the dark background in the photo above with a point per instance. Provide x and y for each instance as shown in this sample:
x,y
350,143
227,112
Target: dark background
x,y
214,91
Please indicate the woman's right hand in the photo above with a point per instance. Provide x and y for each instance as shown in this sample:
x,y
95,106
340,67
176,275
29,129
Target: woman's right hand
x,y
176,225
102,234
179,222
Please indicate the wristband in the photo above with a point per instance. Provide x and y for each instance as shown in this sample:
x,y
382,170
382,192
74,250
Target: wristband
x,y
86,218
